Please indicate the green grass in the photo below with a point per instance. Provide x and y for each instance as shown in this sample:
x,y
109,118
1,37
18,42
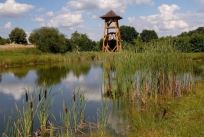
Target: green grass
x,y
157,92
32,56
184,117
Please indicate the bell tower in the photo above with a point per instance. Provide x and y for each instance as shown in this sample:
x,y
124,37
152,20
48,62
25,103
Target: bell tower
x,y
111,38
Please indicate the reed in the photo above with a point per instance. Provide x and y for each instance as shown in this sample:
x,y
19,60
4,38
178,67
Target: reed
x,y
22,125
147,83
72,116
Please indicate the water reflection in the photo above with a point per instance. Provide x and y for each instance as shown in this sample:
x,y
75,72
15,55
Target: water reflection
x,y
134,88
0,78
68,77
11,85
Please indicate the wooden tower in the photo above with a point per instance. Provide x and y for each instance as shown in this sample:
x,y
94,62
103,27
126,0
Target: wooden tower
x,y
111,39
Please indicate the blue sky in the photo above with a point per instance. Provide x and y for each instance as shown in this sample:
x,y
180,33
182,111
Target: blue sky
x,y
166,17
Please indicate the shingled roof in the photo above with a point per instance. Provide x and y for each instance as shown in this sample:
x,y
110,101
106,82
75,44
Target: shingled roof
x,y
110,14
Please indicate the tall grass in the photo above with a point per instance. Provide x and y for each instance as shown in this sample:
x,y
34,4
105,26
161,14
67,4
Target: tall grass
x,y
146,84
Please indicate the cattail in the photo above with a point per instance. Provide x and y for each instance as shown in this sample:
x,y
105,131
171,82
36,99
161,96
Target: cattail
x,y
74,97
31,104
66,110
39,97
26,97
45,94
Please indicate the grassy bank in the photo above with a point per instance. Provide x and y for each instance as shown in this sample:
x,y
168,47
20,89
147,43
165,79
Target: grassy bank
x,y
29,56
11,56
183,117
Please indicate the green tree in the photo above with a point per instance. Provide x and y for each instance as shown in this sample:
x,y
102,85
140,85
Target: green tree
x,y
148,35
82,41
4,41
197,43
182,44
48,39
18,36
128,34
199,30
98,45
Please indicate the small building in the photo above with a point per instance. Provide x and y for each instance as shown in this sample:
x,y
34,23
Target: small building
x,y
111,38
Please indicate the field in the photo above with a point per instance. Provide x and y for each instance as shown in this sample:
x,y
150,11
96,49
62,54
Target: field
x,y
14,46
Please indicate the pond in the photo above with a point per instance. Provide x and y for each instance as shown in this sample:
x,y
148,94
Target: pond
x,y
69,78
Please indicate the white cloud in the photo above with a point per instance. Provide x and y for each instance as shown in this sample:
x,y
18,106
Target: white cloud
x,y
200,1
94,17
94,36
41,18
149,2
49,14
66,19
116,5
7,25
83,4
38,19
166,22
40,9
13,9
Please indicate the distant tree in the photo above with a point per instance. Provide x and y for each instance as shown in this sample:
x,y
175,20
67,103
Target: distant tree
x,y
192,40
18,36
98,45
182,44
148,35
4,41
183,34
199,30
48,39
197,43
82,41
128,34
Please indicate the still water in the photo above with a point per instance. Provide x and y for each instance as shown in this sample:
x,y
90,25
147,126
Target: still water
x,y
68,77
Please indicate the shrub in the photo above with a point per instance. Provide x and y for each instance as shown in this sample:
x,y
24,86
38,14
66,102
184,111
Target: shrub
x,y
48,39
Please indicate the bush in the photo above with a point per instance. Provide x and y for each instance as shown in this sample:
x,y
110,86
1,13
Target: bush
x,y
48,39
197,43
182,44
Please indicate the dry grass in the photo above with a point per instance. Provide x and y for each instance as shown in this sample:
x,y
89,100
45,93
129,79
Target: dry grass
x,y
13,46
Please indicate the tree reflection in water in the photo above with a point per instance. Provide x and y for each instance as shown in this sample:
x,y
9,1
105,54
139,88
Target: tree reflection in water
x,y
49,75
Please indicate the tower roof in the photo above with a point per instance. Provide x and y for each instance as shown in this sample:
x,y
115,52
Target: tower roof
x,y
111,14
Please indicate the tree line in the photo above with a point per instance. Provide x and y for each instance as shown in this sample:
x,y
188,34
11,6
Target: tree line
x,y
49,39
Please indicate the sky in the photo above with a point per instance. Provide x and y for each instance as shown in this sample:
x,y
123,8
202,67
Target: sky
x,y
166,17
